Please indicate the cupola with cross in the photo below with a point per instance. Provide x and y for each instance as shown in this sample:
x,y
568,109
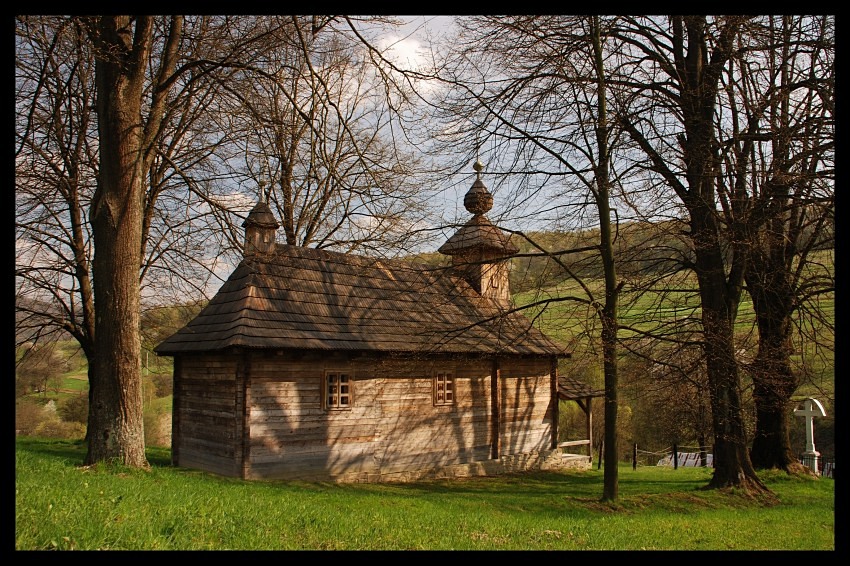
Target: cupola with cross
x,y
480,250
260,227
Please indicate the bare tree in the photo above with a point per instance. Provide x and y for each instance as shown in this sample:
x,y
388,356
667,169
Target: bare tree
x,y
783,82
677,101
56,172
530,94
608,315
315,130
136,116
55,176
127,142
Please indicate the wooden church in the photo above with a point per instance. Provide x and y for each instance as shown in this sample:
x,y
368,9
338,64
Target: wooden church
x,y
314,365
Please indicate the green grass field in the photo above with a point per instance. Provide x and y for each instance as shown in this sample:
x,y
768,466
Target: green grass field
x,y
61,505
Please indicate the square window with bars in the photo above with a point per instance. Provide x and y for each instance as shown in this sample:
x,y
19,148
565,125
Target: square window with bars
x,y
339,389
444,391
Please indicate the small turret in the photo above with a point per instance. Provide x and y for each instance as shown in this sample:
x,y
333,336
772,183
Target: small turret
x,y
479,250
260,227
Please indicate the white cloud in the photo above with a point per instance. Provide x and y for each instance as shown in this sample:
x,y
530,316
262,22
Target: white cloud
x,y
408,46
235,201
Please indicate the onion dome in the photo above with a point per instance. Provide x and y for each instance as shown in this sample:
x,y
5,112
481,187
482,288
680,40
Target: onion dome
x,y
478,199
478,234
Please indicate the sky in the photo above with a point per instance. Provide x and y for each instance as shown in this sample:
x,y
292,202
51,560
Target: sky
x,y
412,36
405,46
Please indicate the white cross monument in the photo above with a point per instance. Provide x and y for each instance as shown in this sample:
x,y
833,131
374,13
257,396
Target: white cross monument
x,y
811,409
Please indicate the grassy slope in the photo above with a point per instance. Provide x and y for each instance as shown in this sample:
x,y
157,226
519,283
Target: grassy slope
x,y
576,325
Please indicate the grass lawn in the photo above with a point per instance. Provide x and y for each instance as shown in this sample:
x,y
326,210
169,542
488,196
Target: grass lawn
x,y
61,505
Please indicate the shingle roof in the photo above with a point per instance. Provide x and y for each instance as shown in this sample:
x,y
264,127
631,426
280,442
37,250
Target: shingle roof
x,y
479,233
305,298
262,215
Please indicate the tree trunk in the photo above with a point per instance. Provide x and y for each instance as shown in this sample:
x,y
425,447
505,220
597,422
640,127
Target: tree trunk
x,y
115,419
770,276
610,488
720,293
732,465
774,381
771,441
609,313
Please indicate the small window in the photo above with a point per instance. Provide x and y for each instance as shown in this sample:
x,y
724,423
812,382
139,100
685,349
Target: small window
x,y
444,389
339,387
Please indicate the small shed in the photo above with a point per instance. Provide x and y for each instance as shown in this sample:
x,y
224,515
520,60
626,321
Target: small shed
x,y
317,365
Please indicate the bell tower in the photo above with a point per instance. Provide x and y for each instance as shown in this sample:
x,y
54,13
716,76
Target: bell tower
x,y
480,250
260,227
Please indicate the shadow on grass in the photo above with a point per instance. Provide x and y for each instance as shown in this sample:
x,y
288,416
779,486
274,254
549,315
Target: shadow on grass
x,y
74,451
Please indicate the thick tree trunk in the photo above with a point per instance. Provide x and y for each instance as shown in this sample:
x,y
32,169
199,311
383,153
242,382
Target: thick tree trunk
x,y
774,381
115,413
771,441
116,426
700,69
732,465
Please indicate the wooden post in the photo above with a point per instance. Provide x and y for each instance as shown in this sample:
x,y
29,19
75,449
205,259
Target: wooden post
x,y
634,456
675,457
588,415
556,401
496,409
599,463
175,410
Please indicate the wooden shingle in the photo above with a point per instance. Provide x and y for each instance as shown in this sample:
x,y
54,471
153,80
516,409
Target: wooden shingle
x,y
305,298
570,389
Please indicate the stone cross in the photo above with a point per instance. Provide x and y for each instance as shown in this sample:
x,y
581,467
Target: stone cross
x,y
811,409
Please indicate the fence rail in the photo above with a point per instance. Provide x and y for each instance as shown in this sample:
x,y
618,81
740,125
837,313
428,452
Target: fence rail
x,y
675,456
695,456
825,466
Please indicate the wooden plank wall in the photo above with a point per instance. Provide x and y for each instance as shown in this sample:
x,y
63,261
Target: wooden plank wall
x,y
291,434
418,435
527,407
206,423
393,425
